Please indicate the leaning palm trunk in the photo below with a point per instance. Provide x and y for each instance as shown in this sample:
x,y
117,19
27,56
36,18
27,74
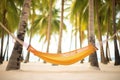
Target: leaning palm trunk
x,y
93,57
14,62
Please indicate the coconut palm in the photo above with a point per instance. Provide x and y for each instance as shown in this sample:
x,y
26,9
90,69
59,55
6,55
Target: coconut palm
x,y
108,58
117,56
106,22
97,7
41,23
78,17
106,15
8,16
93,57
14,62
49,24
34,6
61,27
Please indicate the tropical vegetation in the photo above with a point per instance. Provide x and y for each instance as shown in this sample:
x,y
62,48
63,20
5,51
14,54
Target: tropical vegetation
x,y
91,20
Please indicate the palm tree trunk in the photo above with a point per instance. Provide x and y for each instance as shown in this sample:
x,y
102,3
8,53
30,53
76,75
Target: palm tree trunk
x,y
71,36
103,59
119,41
15,59
80,35
93,57
61,28
107,48
28,53
31,33
2,40
7,47
117,56
1,52
108,58
49,25
76,22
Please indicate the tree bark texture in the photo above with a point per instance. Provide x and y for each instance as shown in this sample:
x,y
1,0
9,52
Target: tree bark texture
x,y
15,59
93,57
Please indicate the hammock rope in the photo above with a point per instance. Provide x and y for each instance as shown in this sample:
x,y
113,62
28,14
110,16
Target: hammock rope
x,y
101,42
62,59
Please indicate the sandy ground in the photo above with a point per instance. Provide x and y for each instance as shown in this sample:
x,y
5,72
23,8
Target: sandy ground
x,y
40,71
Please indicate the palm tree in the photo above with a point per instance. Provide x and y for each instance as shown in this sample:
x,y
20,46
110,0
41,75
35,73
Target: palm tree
x,y
41,23
108,22
7,48
61,27
49,24
14,62
93,57
117,56
105,23
78,17
3,12
34,5
8,14
97,7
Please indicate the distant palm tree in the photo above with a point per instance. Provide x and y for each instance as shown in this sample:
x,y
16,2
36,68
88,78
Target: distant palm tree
x,y
34,5
14,62
106,23
117,56
78,19
93,57
41,23
97,8
108,58
49,24
61,27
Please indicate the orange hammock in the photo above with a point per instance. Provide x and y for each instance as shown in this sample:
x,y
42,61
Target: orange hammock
x,y
61,58
64,58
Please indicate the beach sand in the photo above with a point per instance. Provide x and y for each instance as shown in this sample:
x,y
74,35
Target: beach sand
x,y
77,71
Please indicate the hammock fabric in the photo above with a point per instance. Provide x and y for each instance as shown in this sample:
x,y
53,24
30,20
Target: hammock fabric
x,y
64,58
60,58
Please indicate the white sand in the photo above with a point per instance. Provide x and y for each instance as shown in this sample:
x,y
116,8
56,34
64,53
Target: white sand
x,y
40,71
